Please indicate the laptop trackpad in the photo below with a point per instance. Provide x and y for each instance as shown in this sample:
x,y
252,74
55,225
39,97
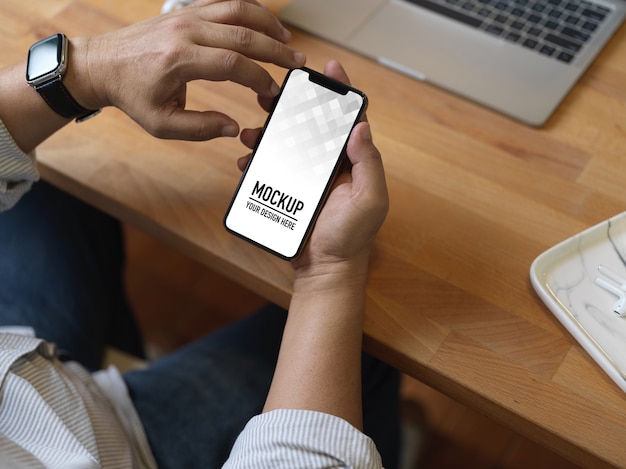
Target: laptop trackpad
x,y
329,18
426,43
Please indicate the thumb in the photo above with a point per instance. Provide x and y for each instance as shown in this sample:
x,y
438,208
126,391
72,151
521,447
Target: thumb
x,y
368,174
361,150
194,125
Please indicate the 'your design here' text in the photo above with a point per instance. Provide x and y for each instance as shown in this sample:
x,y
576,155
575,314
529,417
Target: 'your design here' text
x,y
274,205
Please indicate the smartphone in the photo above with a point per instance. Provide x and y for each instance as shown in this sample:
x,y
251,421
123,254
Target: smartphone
x,y
292,167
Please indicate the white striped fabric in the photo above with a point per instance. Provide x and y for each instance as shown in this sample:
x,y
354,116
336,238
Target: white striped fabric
x,y
294,439
17,170
111,383
57,415
54,415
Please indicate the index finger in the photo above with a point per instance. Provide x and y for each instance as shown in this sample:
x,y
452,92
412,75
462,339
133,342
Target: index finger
x,y
248,42
227,65
246,13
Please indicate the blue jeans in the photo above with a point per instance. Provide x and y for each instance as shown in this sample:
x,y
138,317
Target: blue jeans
x,y
61,272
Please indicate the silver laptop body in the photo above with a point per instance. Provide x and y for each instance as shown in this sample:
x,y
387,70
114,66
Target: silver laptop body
x,y
526,84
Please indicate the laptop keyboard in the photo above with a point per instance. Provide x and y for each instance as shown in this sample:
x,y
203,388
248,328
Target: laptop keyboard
x,y
554,28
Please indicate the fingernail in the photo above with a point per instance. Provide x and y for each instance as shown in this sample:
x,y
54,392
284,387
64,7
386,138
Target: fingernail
x,y
230,131
275,89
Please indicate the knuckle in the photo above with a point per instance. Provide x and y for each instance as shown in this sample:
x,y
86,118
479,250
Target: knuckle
x,y
230,61
200,131
177,24
169,57
238,9
244,37
280,50
171,51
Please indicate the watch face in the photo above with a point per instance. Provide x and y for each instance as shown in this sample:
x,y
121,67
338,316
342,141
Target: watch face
x,y
45,59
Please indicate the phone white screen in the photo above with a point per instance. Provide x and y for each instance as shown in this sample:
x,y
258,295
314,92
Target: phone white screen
x,y
293,164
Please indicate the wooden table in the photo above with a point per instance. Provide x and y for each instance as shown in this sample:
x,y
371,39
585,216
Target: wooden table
x,y
475,197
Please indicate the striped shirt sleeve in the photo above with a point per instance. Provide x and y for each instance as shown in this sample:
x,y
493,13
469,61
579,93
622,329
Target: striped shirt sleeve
x,y
54,414
294,439
18,170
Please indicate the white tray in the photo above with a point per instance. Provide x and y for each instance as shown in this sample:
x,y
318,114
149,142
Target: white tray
x,y
565,279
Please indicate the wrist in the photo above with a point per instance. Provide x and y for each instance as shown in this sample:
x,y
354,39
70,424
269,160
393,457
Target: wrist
x,y
332,275
79,79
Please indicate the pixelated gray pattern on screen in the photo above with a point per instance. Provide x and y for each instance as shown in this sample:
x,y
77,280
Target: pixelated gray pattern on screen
x,y
310,126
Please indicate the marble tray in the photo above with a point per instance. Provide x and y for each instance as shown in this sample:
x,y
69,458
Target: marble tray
x,y
565,277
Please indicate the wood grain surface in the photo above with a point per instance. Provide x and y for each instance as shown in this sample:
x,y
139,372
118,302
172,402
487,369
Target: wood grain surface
x,y
475,198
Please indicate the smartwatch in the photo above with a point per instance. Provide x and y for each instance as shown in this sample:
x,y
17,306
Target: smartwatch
x,y
47,62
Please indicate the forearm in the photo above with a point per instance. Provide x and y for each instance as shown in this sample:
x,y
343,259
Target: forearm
x,y
319,366
25,114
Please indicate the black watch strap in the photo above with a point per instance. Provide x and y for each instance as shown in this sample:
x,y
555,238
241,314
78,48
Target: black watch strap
x,y
62,102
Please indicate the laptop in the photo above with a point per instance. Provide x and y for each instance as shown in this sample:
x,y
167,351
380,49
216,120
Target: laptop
x,y
518,57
